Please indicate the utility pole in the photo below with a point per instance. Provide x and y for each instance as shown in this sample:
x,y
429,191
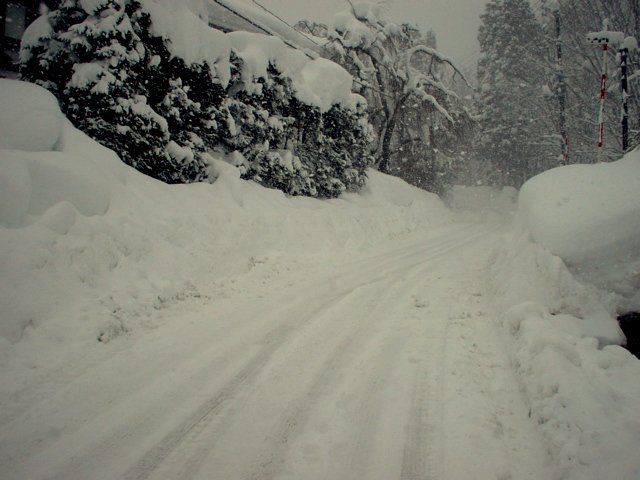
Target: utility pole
x,y
630,44
561,91
603,83
624,89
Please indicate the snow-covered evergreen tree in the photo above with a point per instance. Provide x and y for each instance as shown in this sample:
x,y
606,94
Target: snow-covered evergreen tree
x,y
118,82
516,133
293,146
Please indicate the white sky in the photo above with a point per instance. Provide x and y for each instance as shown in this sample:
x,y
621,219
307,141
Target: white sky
x,y
454,21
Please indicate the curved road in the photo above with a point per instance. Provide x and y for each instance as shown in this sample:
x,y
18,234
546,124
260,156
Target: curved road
x,y
381,365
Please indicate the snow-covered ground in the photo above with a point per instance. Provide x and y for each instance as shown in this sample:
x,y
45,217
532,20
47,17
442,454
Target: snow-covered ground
x,y
228,331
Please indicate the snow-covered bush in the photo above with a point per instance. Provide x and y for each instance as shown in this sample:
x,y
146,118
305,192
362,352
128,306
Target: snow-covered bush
x,y
118,81
152,81
292,145
342,142
263,120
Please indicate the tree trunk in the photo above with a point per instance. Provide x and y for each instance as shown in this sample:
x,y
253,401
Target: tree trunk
x,y
383,164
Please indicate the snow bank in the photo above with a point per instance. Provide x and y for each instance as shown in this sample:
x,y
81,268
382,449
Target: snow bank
x,y
589,215
30,119
90,248
583,396
573,262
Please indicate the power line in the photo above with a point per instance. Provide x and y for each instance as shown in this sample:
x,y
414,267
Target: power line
x,y
287,24
260,27
275,34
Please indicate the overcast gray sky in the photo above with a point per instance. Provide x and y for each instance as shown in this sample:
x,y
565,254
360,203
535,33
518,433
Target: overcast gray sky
x,y
454,21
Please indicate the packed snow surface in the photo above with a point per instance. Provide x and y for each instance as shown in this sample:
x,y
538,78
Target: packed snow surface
x,y
154,331
589,215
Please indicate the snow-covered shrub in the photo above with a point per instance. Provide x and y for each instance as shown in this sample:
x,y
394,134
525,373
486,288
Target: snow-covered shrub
x,y
341,144
292,145
260,129
153,82
118,82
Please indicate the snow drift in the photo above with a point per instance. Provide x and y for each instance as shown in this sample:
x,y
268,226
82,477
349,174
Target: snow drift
x,y
583,395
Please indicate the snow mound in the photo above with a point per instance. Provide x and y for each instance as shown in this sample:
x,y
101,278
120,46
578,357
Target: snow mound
x,y
91,249
583,395
31,119
589,215
33,181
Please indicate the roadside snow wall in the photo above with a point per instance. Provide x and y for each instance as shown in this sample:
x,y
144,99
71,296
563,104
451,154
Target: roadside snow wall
x,y
589,215
566,269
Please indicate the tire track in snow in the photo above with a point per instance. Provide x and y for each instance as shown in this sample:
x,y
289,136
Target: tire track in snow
x,y
199,420
15,404
188,431
297,413
390,264
423,442
145,469
195,459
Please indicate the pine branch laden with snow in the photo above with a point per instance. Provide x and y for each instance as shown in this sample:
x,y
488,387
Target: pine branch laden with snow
x,y
432,54
151,80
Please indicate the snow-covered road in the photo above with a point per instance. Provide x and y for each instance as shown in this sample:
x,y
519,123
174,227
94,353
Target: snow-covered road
x,y
387,364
